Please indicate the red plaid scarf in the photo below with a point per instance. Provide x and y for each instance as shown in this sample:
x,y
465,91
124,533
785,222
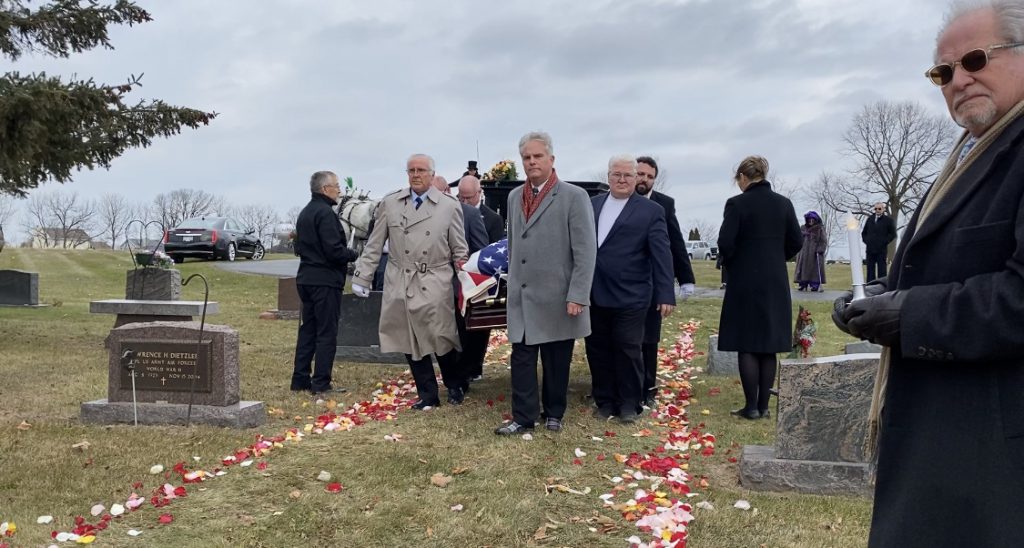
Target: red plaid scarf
x,y
531,203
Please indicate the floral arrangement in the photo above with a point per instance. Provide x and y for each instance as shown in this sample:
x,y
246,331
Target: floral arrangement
x,y
803,334
157,259
504,170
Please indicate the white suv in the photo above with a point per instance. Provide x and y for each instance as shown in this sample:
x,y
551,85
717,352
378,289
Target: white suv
x,y
701,250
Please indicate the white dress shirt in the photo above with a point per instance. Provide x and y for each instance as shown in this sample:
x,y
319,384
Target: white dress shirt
x,y
609,213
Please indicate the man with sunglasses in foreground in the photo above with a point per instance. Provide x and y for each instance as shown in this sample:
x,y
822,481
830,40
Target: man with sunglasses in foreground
x,y
947,411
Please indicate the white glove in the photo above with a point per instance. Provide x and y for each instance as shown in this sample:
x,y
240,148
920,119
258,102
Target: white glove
x,y
685,290
360,291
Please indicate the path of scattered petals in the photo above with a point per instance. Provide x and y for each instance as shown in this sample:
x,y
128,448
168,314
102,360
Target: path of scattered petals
x,y
653,489
387,400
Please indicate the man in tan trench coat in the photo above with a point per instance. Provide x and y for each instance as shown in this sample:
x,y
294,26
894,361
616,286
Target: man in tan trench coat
x,y
424,228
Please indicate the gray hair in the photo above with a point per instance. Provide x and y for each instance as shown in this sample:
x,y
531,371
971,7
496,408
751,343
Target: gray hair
x,y
622,159
537,136
1009,14
430,160
320,179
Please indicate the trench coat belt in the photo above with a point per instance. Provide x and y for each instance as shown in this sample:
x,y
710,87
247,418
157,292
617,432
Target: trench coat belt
x,y
418,266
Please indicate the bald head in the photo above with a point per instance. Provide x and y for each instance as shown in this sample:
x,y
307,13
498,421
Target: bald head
x,y
469,190
441,184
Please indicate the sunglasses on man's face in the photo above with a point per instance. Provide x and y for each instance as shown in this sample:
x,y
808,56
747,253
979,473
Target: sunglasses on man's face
x,y
972,61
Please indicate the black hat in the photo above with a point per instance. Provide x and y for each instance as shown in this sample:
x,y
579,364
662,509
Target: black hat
x,y
472,165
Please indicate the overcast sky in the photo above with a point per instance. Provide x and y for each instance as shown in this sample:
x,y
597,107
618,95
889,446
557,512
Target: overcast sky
x,y
356,87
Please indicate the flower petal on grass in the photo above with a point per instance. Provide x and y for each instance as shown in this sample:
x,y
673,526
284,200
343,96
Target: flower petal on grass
x,y
742,505
156,469
333,487
164,519
43,520
116,509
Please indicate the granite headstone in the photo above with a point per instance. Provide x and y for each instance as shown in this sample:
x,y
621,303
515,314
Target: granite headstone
x,y
358,335
19,288
721,362
821,429
153,284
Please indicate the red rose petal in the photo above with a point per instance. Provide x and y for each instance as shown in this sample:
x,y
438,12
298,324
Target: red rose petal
x,y
165,518
333,487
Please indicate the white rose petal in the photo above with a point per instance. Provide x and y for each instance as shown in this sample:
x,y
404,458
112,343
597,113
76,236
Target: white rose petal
x,y
595,438
324,476
134,533
580,453
528,437
116,509
197,459
97,509
220,473
44,520
705,505
742,505
156,469
457,508
62,537
246,463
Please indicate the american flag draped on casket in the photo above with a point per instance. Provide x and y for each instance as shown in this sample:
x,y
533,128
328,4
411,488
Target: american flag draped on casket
x,y
482,280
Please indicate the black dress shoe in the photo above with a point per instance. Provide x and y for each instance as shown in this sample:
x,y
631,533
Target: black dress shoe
x,y
602,414
329,392
765,414
456,396
553,424
421,405
628,417
511,428
749,414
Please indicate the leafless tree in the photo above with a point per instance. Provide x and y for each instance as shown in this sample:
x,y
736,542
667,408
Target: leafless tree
x,y
816,197
897,150
59,218
261,218
708,230
113,215
8,207
185,203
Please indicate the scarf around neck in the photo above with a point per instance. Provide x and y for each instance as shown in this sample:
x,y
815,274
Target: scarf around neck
x,y
531,202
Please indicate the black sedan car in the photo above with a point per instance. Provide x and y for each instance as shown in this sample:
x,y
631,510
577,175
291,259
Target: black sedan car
x,y
212,238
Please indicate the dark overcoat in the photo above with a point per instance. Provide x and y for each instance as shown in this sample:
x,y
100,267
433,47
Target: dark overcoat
x,y
951,447
759,234
681,266
810,262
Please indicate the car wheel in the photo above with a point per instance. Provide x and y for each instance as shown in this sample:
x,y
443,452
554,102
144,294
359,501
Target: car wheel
x,y
178,259
230,255
707,256
257,253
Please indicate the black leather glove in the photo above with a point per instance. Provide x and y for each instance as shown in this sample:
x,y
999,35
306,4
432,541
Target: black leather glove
x,y
877,318
871,290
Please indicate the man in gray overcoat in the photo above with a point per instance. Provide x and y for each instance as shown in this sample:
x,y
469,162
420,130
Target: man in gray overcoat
x,y
552,251
424,228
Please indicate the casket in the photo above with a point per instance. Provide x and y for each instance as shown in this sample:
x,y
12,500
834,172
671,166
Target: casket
x,y
487,313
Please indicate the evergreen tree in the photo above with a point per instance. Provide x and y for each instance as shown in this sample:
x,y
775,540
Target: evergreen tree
x,y
50,127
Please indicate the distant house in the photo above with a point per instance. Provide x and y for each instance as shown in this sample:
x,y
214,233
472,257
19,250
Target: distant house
x,y
139,244
56,238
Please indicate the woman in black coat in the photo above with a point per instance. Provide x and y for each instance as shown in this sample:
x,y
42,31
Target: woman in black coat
x,y
759,234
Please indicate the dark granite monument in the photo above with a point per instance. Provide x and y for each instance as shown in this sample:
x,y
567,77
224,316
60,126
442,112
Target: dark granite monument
x,y
153,284
821,430
358,337
167,360
19,288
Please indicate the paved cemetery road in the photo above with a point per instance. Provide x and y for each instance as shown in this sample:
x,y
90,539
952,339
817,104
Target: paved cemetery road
x,y
283,268
288,267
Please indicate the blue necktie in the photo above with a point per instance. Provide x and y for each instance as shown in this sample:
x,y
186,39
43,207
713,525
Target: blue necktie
x,y
419,202
968,145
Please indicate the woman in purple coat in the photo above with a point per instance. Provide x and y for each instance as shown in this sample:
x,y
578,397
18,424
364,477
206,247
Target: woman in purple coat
x,y
810,262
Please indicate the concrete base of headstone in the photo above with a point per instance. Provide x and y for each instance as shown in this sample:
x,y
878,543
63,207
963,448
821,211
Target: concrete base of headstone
x,y
153,284
761,471
721,362
863,347
358,337
19,288
244,414
275,314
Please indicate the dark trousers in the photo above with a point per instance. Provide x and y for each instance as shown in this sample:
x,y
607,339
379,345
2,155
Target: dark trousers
x,y
318,336
426,382
555,358
649,350
474,350
378,275
615,358
875,260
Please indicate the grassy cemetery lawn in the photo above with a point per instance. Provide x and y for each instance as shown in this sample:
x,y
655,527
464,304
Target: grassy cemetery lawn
x,y
52,359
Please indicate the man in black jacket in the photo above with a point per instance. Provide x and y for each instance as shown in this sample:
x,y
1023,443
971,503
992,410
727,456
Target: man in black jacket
x,y
879,230
646,173
471,195
323,261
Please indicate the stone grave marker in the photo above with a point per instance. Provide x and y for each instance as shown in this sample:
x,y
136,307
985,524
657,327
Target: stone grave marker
x,y
821,429
153,284
358,336
19,288
721,362
167,361
863,347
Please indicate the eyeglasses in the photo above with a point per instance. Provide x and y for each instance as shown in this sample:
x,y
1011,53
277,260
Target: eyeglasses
x,y
879,209
617,175
412,170
972,61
